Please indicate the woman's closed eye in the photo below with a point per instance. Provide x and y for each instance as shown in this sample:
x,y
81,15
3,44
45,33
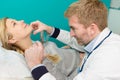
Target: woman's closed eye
x,y
14,23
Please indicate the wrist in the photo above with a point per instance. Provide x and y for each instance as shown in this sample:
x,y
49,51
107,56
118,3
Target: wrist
x,y
32,65
49,29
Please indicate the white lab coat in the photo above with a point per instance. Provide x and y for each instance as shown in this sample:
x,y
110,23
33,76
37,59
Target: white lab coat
x,y
103,63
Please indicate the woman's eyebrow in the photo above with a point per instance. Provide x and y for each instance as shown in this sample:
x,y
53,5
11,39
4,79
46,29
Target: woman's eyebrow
x,y
12,22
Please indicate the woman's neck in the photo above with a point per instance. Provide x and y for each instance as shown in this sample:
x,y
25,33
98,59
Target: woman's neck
x,y
25,44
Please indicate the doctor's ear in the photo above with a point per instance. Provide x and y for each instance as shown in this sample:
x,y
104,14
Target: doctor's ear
x,y
93,28
11,39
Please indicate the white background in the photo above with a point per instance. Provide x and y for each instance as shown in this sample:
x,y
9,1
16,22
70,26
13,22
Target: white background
x,y
114,16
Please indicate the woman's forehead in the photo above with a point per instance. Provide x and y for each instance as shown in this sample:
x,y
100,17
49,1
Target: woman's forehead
x,y
10,21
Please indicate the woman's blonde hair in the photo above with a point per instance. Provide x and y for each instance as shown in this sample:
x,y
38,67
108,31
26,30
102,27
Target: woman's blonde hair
x,y
89,11
5,36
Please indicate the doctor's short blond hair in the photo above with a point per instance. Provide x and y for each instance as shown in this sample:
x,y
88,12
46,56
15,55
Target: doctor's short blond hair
x,y
89,11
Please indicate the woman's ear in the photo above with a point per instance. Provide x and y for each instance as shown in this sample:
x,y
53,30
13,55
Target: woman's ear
x,y
12,41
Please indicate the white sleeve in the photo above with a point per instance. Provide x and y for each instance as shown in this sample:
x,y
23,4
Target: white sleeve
x,y
64,36
47,76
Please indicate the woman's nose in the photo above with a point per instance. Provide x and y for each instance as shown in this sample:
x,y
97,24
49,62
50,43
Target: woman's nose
x,y
22,21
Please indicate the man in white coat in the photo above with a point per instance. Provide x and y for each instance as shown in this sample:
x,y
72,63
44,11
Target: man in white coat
x,y
88,24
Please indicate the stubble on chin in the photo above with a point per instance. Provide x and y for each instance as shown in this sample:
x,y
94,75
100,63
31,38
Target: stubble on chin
x,y
80,42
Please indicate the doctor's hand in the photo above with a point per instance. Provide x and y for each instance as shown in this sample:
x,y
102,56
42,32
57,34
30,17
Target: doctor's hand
x,y
39,27
34,55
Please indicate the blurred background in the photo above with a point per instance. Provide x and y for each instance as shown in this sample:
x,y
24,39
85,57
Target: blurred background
x,y
51,12
114,16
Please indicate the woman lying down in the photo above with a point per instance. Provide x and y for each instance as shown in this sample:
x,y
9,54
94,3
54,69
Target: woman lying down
x,y
15,38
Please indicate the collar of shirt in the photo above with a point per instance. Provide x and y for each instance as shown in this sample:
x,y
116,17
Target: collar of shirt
x,y
94,44
90,47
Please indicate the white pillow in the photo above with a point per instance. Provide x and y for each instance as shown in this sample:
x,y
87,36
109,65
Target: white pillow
x,y
0,44
13,65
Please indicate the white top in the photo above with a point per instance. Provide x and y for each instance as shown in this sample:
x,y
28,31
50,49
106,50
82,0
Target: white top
x,y
103,63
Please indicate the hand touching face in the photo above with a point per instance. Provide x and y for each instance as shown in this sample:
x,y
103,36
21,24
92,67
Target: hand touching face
x,y
39,27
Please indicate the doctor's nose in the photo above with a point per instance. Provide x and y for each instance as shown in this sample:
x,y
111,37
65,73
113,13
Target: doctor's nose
x,y
72,33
